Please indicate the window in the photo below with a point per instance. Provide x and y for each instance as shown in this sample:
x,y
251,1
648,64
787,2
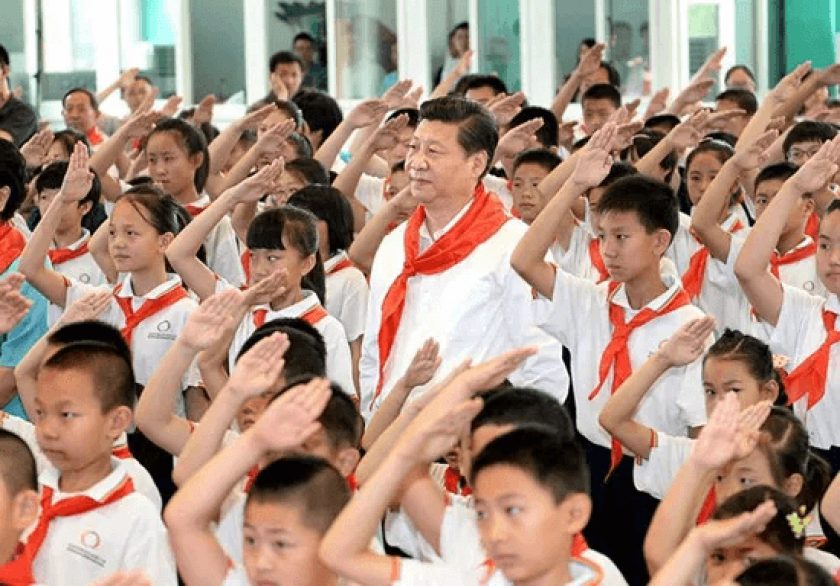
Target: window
x,y
366,47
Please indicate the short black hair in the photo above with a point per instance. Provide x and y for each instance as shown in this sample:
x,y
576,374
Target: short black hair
x,y
13,176
283,57
306,355
542,157
808,131
80,90
460,87
110,371
776,172
651,200
69,137
644,141
329,205
412,114
602,91
340,418
833,206
191,140
306,482
618,170
303,36
18,471
309,169
668,121
520,406
613,75
320,111
90,330
783,570
547,134
556,463
303,146
477,129
4,56
291,110
744,99
739,67
494,82
53,176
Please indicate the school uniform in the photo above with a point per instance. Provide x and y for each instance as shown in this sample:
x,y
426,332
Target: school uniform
x,y
346,294
807,333
797,267
583,256
683,244
655,473
464,294
221,245
76,262
370,191
150,338
143,483
122,531
309,309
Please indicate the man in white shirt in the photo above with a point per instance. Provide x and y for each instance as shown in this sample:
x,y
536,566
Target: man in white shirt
x,y
445,273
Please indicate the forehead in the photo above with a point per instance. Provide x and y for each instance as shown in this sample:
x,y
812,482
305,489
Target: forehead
x,y
612,219
830,225
273,514
483,91
444,133
64,385
487,433
275,117
504,479
76,99
806,144
125,212
294,66
598,103
530,170
721,368
165,140
705,160
769,186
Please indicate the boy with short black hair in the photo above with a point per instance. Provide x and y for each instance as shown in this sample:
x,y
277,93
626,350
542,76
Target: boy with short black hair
x,y
736,99
83,404
529,169
484,88
612,326
598,104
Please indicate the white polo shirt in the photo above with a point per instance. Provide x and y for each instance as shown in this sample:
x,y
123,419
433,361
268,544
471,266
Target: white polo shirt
x,y
683,244
476,309
152,337
127,534
339,369
655,474
222,248
799,332
578,316
801,274
82,268
346,295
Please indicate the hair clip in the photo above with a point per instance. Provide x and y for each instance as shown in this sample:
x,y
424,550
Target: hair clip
x,y
780,361
798,522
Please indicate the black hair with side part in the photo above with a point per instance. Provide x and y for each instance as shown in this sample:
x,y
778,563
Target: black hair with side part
x,y
193,143
612,74
311,171
303,36
304,482
602,91
777,533
329,205
776,172
494,82
340,419
13,176
109,370
542,157
460,87
618,170
283,58
4,56
522,406
744,99
477,130
547,134
18,471
53,176
80,90
306,355
783,571
92,331
557,464
412,114
320,111
808,131
753,353
668,121
652,201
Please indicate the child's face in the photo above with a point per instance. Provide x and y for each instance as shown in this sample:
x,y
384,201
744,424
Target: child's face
x,y
169,165
289,183
72,218
722,375
800,152
70,426
254,407
704,168
764,194
136,92
265,262
132,242
627,248
596,113
526,197
594,196
290,74
526,533
482,94
278,548
725,564
397,153
734,125
739,475
828,252
56,152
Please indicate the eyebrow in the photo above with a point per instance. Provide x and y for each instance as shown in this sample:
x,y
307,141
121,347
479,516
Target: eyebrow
x,y
247,525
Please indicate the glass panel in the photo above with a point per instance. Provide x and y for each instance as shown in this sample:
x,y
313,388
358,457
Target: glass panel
x,y
498,37
149,30
446,45
287,19
628,49
213,25
366,47
573,22
703,36
12,35
70,50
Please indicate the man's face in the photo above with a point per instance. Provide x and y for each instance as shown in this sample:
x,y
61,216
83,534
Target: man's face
x,y
305,50
79,113
291,75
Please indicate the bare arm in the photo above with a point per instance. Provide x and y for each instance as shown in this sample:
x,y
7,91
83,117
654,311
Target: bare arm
x,y
367,114
366,242
589,64
448,82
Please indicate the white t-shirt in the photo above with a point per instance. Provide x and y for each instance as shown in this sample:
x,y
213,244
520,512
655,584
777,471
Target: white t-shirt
x,y
222,248
346,295
82,268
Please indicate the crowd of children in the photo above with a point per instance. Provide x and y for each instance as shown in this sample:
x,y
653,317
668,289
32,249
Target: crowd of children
x,y
451,339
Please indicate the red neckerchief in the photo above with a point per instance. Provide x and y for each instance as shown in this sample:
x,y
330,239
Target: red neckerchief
x,y
62,255
597,260
245,258
482,220
18,571
193,209
791,257
12,244
616,355
692,279
312,316
95,137
122,453
708,508
149,308
452,482
810,377
812,226
344,263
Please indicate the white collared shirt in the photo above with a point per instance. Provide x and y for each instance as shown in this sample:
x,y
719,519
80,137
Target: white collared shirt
x,y
578,316
153,336
82,268
339,369
799,332
476,309
127,534
222,248
346,296
801,274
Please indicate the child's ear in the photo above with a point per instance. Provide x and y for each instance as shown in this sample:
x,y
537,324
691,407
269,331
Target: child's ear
x,y
166,239
309,264
5,193
24,509
196,159
769,391
662,240
576,510
347,460
85,207
793,484
119,420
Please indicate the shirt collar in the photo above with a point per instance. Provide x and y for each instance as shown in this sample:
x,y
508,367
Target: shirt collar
x,y
832,303
171,282
619,297
438,234
78,243
99,491
334,260
309,301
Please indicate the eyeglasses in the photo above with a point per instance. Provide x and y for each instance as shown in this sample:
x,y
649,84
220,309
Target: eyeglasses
x,y
796,154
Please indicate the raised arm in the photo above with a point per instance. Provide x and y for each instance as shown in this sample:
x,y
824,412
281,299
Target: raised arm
x,y
366,242
269,143
223,144
448,82
684,347
763,289
13,304
124,80
286,424
818,79
528,258
368,113
590,62
683,136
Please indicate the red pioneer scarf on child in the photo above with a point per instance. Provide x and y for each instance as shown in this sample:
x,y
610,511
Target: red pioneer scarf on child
x,y
617,356
810,377
312,317
791,257
597,260
484,218
692,280
148,309
344,263
62,255
12,243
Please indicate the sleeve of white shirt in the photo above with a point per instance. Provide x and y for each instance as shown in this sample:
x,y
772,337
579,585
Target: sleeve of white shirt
x,y
415,573
655,475
223,253
369,193
229,530
148,549
339,364
460,542
799,309
691,397
400,532
575,303
354,305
